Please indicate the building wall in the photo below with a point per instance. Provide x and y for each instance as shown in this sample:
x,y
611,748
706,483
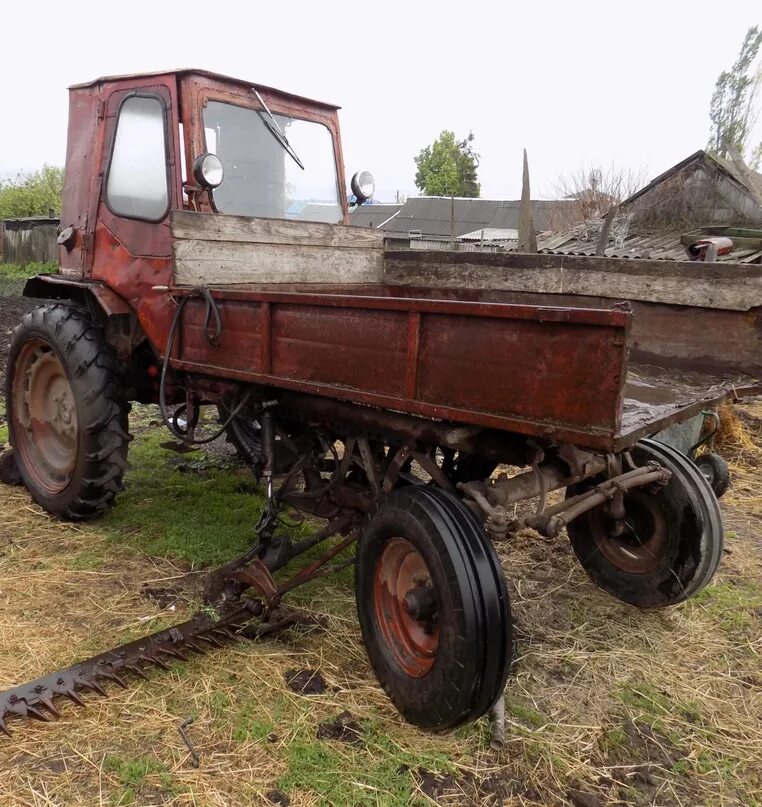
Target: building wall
x,y
24,241
699,194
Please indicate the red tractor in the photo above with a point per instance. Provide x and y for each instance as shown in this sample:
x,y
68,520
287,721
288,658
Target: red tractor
x,y
206,260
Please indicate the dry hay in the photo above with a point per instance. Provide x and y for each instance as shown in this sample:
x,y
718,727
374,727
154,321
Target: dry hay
x,y
630,707
740,442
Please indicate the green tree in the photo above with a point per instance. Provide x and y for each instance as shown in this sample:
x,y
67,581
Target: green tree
x,y
448,167
32,194
731,110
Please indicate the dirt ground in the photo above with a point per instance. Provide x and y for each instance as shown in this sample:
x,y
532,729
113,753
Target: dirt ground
x,y
11,311
606,705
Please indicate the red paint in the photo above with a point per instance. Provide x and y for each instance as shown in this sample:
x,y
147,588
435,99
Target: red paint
x,y
548,371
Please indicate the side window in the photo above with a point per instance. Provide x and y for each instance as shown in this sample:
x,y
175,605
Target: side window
x,y
138,181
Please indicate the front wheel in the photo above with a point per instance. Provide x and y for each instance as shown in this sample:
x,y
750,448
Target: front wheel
x,y
671,541
433,608
67,416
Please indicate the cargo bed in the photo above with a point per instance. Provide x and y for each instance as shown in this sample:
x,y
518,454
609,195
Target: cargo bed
x,y
466,338
555,372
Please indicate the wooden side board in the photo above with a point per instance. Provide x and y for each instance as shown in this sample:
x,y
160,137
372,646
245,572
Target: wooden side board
x,y
227,250
721,286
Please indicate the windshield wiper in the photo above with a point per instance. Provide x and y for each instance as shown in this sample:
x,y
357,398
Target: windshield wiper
x,y
276,131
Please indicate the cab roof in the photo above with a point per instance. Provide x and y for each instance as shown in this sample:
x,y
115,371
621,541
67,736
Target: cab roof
x,y
185,71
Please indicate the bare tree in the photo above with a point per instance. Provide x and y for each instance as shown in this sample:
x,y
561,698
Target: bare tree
x,y
591,191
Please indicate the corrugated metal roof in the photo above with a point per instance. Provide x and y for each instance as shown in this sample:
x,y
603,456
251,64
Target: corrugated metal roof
x,y
491,234
658,247
431,215
546,215
373,215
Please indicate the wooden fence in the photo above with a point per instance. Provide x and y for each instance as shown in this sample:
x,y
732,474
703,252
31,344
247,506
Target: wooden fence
x,y
30,240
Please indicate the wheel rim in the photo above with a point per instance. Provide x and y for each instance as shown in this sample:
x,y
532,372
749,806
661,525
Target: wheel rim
x,y
642,545
405,607
44,416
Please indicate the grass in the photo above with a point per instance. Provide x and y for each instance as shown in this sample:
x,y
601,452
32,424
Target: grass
x,y
13,277
134,774
176,507
735,605
12,271
599,692
3,424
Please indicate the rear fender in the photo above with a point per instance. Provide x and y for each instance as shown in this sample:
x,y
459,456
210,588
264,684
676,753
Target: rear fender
x,y
111,311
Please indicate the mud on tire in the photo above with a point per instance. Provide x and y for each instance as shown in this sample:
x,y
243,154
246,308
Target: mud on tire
x,y
66,411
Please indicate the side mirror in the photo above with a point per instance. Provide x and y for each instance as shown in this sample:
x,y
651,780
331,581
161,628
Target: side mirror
x,y
208,170
363,185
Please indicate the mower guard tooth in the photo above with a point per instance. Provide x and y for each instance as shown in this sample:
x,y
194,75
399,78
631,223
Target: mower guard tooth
x,y
174,653
156,660
93,684
33,711
73,697
112,676
50,706
136,670
213,640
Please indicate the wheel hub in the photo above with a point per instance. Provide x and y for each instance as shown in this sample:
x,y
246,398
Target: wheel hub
x,y
405,604
420,604
45,416
637,543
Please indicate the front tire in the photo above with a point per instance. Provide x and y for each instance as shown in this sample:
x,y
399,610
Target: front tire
x,y
67,415
433,608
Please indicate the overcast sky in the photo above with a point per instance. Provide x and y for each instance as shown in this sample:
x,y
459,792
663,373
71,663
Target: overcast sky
x,y
576,83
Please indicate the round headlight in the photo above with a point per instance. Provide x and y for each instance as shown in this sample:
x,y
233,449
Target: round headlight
x,y
363,185
208,170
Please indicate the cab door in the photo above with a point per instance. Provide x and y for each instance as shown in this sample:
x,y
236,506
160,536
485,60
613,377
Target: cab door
x,y
139,187
140,184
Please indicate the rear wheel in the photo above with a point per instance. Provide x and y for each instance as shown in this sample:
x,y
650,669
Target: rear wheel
x,y
67,417
433,608
671,543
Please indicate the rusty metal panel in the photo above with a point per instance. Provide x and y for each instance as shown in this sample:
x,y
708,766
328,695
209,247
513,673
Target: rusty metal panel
x,y
539,370
240,341
81,162
359,349
544,371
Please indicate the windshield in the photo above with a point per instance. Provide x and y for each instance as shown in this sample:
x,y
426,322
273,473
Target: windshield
x,y
261,177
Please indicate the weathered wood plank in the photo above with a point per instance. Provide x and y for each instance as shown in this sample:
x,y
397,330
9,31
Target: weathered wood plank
x,y
208,227
224,262
729,287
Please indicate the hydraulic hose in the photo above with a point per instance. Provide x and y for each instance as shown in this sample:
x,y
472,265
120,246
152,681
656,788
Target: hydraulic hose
x,y
168,421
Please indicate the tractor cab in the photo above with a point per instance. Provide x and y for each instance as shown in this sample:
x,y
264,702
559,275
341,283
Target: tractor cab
x,y
144,145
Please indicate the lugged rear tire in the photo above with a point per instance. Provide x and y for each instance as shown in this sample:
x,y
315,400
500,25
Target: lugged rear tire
x,y
66,411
